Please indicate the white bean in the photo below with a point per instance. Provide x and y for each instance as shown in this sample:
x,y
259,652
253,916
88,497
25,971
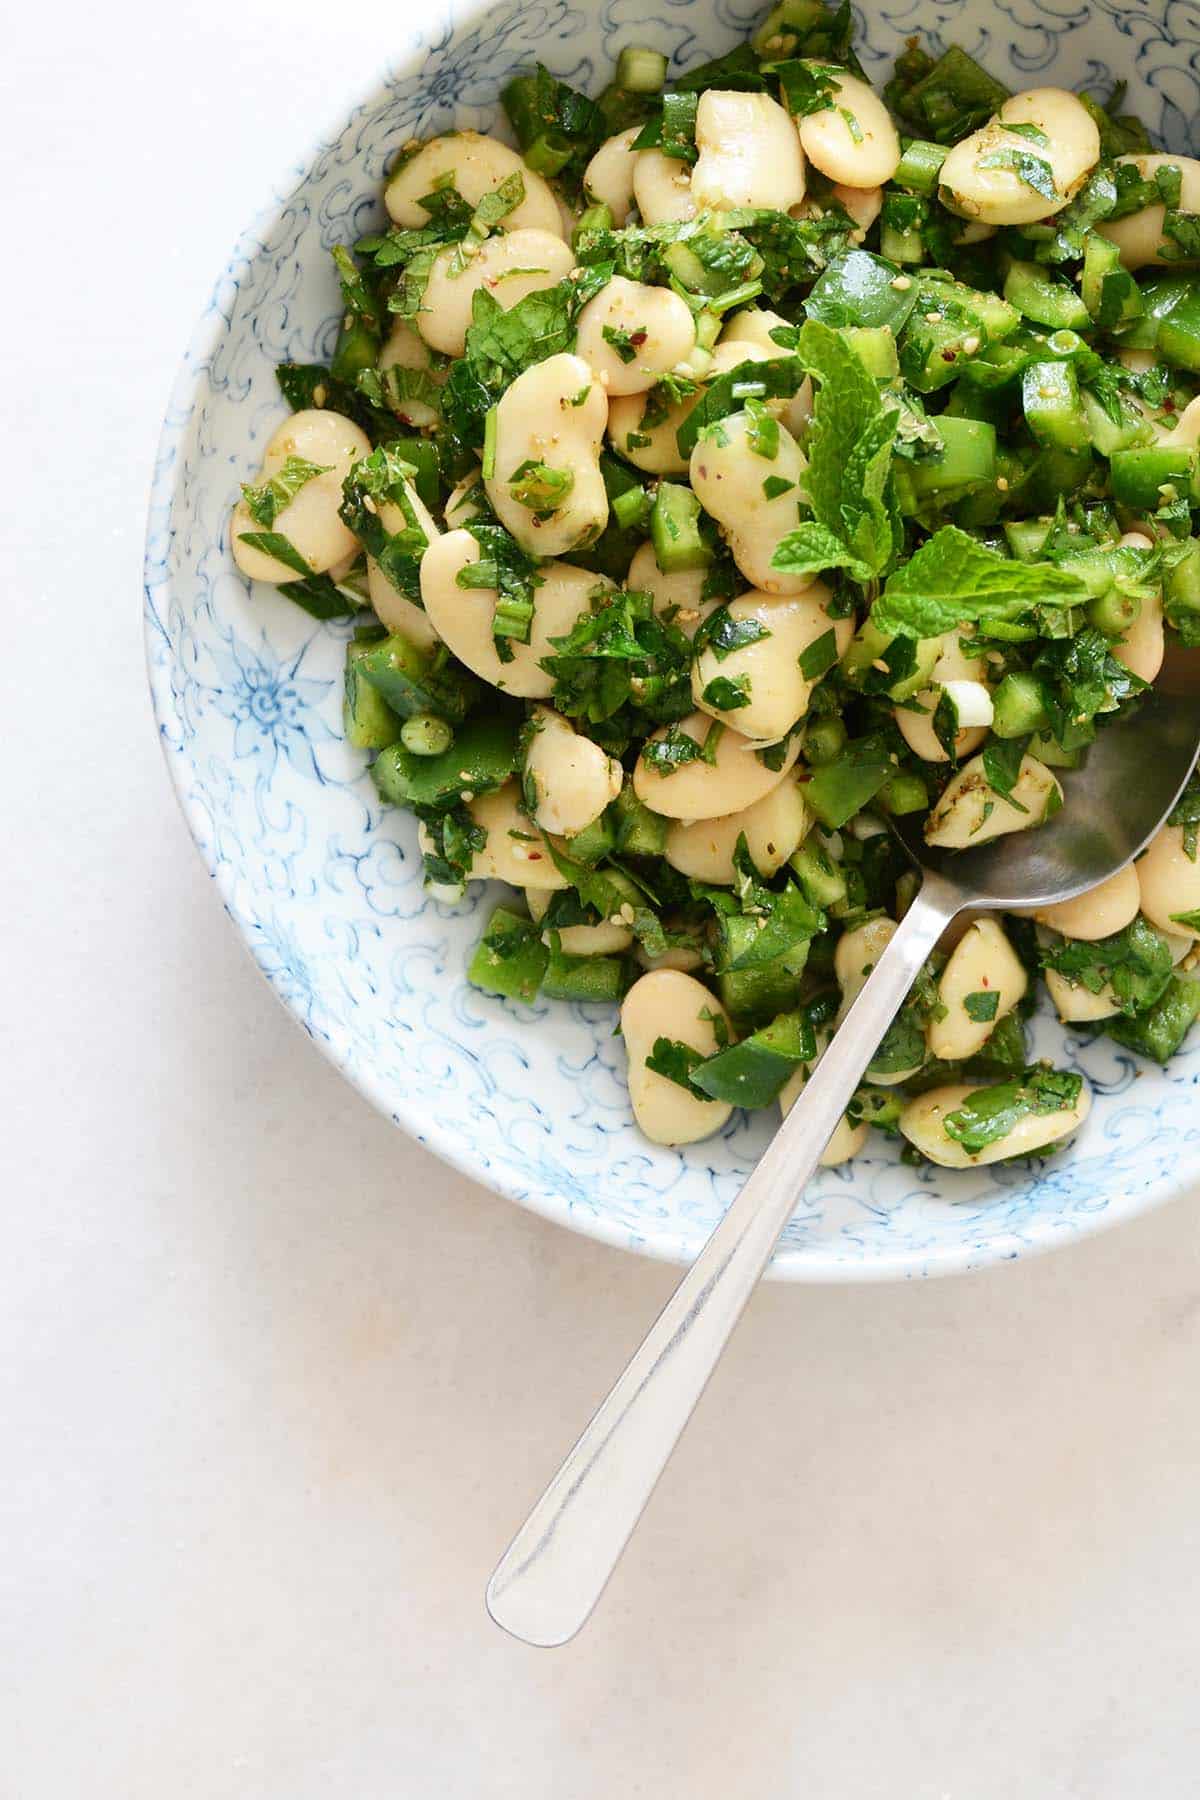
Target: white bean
x,y
392,608
604,939
864,206
679,956
554,412
954,665
478,165
662,187
921,1123
750,153
977,186
1185,432
775,686
466,502
856,955
918,733
515,851
956,661
653,328
750,330
847,1139
660,455
1100,912
1139,236
773,827
727,476
983,963
676,594
1142,646
864,154
509,267
735,779
970,810
1169,882
608,178
570,779
310,522
670,1004
1077,1005
405,349
462,616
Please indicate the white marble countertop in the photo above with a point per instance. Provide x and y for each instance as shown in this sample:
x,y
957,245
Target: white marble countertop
x,y
275,1386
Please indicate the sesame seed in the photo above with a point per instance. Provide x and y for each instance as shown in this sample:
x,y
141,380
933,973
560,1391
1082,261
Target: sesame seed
x,y
1002,483
369,504
933,318
970,345
901,283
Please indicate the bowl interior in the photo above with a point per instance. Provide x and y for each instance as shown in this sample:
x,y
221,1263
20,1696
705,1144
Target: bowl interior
x,y
325,886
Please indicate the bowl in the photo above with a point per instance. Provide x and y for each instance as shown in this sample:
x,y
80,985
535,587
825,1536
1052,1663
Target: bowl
x,y
325,886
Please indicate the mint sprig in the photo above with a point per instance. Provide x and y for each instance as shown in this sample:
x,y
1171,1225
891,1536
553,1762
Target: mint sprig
x,y
850,445
953,580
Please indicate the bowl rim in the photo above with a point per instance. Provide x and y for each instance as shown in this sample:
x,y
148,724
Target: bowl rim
x,y
809,1266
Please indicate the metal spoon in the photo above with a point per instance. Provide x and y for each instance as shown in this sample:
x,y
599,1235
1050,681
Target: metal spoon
x,y
556,1567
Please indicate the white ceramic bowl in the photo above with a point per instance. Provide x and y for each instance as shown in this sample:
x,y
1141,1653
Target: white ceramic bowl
x,y
325,886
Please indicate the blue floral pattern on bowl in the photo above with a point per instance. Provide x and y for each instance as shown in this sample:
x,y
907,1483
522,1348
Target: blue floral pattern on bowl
x,y
325,885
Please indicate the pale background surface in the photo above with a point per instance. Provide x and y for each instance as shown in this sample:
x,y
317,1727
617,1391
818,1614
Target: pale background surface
x,y
275,1386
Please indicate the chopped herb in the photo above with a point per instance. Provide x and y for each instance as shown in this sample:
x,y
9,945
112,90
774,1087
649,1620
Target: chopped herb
x,y
1034,171
540,487
676,1061
625,343
817,658
1135,965
265,502
982,1007
992,1113
762,433
727,695
723,634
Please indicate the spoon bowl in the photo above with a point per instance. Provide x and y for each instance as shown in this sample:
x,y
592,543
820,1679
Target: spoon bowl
x,y
1116,800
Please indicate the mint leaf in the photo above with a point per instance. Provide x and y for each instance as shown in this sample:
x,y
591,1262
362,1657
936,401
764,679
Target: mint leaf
x,y
850,445
1002,766
1034,171
991,1113
982,1007
809,549
723,634
727,695
1135,964
265,502
671,751
953,580
778,379
817,658
676,1061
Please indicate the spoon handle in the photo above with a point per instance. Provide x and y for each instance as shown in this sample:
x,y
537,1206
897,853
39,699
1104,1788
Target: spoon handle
x,y
554,1571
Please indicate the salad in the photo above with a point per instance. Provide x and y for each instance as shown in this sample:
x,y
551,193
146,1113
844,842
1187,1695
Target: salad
x,y
745,459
